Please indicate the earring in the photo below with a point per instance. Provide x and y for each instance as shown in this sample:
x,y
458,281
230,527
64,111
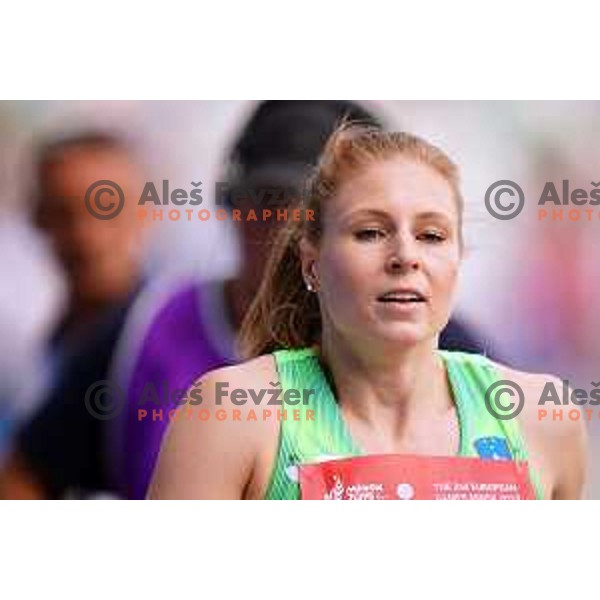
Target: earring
x,y
309,285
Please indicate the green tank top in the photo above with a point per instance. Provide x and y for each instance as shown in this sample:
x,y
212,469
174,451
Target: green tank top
x,y
326,437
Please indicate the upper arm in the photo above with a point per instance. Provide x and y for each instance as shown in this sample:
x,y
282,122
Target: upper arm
x,y
561,442
568,445
205,458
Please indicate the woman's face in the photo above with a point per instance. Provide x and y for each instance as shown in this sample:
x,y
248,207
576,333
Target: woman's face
x,y
389,255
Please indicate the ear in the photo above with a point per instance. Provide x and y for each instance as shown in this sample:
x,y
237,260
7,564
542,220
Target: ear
x,y
309,255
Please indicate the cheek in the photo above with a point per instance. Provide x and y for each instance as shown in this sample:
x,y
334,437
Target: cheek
x,y
342,278
344,269
444,279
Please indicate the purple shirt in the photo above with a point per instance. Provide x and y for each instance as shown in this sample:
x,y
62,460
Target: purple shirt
x,y
174,335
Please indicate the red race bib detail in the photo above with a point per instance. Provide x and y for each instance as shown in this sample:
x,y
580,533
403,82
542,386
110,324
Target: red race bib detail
x,y
408,477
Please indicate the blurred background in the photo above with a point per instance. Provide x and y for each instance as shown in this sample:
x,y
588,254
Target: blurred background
x,y
70,290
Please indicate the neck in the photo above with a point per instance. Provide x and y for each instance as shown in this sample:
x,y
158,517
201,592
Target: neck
x,y
83,308
387,390
239,293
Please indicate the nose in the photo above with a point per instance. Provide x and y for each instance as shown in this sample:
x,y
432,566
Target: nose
x,y
403,256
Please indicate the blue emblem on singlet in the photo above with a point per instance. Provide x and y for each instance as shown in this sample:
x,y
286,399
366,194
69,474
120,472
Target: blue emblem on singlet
x,y
492,448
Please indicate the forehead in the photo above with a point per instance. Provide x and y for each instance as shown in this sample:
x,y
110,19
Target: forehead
x,y
402,187
76,168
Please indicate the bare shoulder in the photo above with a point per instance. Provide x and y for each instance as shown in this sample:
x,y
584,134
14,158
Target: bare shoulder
x,y
212,446
230,395
555,432
254,372
536,387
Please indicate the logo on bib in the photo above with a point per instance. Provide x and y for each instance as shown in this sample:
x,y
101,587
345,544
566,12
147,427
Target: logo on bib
x,y
492,448
357,491
405,491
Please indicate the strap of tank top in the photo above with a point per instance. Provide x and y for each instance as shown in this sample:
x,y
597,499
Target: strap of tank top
x,y
316,433
472,375
325,430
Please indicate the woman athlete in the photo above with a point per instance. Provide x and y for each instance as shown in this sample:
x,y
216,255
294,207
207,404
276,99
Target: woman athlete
x,y
350,308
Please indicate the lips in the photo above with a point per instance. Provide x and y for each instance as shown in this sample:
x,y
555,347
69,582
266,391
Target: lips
x,y
402,296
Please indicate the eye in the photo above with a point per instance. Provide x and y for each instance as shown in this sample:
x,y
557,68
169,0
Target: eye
x,y
432,236
369,234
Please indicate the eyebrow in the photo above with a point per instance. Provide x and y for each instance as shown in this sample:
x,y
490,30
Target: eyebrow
x,y
432,214
367,212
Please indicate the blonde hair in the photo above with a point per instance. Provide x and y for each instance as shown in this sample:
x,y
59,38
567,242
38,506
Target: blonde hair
x,y
284,314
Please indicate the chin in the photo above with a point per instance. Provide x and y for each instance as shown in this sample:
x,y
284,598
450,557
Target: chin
x,y
95,289
404,334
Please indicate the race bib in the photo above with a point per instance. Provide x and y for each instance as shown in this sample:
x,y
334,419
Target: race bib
x,y
408,477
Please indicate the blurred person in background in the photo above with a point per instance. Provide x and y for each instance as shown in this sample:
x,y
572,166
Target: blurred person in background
x,y
59,451
178,332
